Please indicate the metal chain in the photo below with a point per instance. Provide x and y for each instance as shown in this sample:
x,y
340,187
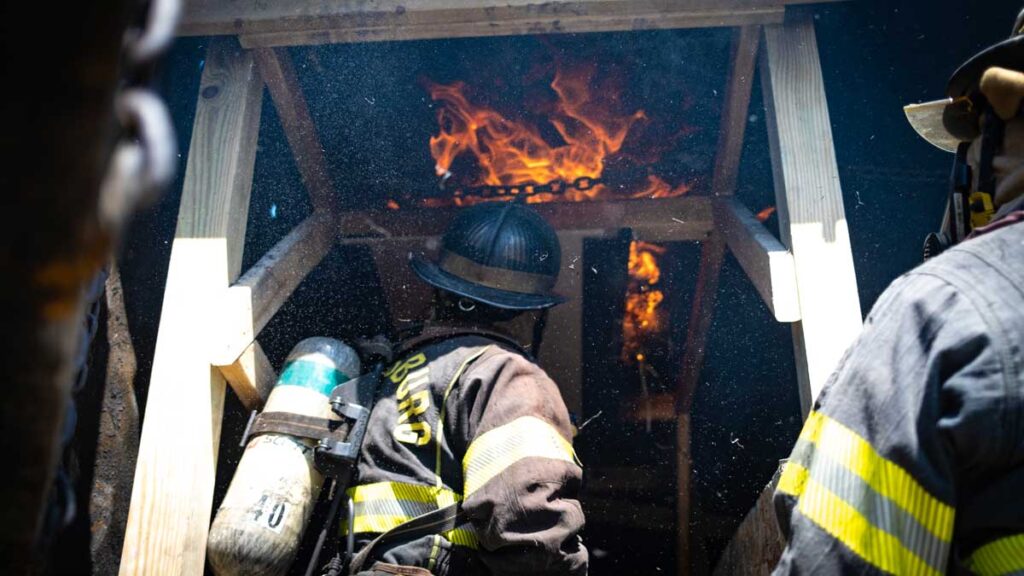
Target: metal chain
x,y
556,187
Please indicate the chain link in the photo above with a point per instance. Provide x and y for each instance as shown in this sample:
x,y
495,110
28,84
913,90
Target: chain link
x,y
556,187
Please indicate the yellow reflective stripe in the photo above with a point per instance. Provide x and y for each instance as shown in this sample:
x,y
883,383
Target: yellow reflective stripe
x,y
497,449
854,452
382,506
1000,557
793,480
464,536
387,491
440,418
846,524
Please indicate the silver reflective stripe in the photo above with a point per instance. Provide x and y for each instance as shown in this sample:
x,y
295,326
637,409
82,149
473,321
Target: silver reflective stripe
x,y
407,508
879,511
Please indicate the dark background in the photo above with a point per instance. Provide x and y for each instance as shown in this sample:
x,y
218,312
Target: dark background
x,y
371,108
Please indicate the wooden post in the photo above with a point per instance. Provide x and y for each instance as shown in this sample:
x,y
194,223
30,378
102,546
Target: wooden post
x,y
813,226
727,161
251,376
757,545
247,306
768,264
810,203
174,480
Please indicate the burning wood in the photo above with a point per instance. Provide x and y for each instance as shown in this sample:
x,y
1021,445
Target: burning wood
x,y
642,317
514,157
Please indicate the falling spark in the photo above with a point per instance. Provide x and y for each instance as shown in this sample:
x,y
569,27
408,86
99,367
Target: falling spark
x,y
392,205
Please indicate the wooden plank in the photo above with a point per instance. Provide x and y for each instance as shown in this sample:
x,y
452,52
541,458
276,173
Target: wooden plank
x,y
684,464
734,113
727,161
174,479
768,263
671,219
669,19
810,202
282,83
757,545
561,351
697,330
247,306
400,19
117,442
251,376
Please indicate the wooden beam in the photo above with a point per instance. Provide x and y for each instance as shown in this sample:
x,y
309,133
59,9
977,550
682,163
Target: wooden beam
x,y
247,306
757,544
561,351
668,219
251,376
810,202
343,20
174,479
734,113
768,263
684,464
727,161
667,19
282,83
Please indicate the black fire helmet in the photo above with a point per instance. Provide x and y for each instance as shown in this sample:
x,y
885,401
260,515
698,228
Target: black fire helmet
x,y
502,254
948,122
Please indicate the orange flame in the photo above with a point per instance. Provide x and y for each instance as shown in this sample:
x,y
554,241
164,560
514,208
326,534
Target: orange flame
x,y
642,300
765,214
510,152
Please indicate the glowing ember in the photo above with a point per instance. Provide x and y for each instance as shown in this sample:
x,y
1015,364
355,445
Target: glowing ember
x,y
642,299
510,152
765,214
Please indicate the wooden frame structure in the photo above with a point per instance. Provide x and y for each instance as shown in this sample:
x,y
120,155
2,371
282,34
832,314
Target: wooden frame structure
x,y
212,314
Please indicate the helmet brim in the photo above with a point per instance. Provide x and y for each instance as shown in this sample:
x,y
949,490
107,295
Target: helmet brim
x,y
947,123
505,299
928,120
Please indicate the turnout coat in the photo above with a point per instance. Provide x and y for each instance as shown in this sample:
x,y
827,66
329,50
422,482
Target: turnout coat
x,y
912,461
469,419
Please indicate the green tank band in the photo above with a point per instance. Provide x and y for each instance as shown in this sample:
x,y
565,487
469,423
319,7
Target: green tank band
x,y
312,375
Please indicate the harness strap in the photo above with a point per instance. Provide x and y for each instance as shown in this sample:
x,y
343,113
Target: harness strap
x,y
433,522
298,425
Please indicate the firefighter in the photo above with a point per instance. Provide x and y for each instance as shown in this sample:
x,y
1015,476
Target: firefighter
x,y
467,427
912,460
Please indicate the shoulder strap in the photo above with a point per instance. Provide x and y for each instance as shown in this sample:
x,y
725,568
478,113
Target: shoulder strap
x,y
433,522
432,334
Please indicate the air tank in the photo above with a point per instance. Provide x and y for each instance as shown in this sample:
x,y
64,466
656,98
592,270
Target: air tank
x,y
259,525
